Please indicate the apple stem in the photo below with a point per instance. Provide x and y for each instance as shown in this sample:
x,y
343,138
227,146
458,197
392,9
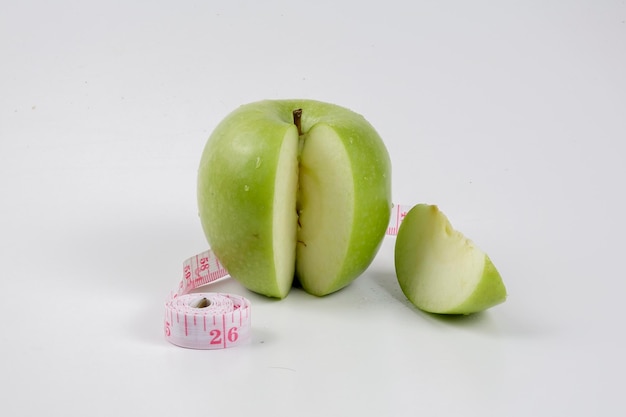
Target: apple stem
x,y
297,120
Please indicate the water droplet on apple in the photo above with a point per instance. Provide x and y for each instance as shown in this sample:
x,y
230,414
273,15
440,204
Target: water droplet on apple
x,y
258,162
246,188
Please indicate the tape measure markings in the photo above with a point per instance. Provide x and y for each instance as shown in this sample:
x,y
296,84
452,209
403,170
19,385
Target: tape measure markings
x,y
398,213
225,320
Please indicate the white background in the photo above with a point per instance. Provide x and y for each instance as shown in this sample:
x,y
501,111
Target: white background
x,y
510,115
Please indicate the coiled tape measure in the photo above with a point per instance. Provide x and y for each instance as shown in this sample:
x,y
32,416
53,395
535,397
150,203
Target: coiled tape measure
x,y
218,320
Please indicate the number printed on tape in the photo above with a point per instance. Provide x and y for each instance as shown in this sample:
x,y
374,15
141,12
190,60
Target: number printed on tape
x,y
207,320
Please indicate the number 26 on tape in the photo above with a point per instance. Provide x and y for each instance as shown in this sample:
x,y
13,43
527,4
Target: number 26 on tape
x,y
232,335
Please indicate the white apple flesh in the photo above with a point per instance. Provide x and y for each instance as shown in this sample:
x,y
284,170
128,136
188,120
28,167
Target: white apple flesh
x,y
440,270
284,194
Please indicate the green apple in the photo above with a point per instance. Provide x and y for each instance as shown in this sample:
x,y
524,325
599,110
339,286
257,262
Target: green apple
x,y
294,189
440,270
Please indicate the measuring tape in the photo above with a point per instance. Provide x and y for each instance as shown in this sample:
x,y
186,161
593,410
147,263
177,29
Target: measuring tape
x,y
398,212
218,320
206,320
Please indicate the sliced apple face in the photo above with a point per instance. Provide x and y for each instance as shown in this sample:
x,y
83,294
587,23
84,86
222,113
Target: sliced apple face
x,y
325,209
440,270
285,217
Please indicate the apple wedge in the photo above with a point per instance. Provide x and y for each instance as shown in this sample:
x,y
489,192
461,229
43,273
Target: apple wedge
x,y
440,270
294,189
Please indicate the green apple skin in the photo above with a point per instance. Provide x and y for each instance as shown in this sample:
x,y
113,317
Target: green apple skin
x,y
277,201
440,270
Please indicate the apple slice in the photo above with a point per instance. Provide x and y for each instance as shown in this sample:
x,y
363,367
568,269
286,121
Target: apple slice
x,y
440,270
342,212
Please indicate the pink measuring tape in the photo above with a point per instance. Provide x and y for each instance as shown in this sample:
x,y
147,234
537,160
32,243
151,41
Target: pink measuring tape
x,y
206,320
218,320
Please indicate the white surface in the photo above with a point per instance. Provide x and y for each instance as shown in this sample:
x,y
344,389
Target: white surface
x,y
511,116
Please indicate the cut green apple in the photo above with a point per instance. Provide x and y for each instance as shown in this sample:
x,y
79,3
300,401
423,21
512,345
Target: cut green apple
x,y
294,188
440,270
